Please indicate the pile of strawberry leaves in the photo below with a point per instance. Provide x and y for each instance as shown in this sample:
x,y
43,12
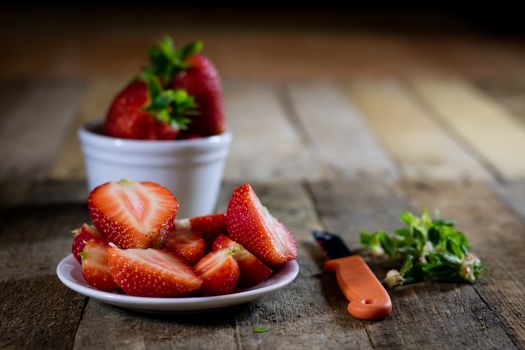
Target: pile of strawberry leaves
x,y
425,249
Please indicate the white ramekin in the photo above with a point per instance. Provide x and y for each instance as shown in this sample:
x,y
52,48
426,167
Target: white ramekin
x,y
191,169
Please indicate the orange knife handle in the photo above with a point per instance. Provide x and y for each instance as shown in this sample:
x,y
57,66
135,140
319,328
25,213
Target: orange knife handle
x,y
368,298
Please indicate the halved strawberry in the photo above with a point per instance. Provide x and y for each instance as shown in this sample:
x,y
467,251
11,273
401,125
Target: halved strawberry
x,y
186,243
253,271
83,234
95,267
210,226
133,214
151,272
219,272
251,224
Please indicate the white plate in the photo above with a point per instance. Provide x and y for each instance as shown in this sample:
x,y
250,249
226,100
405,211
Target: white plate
x,y
69,271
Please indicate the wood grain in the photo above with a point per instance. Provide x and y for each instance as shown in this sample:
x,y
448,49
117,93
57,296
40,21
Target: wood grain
x,y
95,102
266,146
447,316
496,235
32,131
483,124
510,92
36,310
339,139
513,194
422,149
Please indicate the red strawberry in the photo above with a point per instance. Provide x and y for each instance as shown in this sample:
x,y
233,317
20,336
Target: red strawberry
x,y
83,234
133,214
142,110
186,243
210,226
219,272
151,273
95,267
251,224
253,271
126,117
201,80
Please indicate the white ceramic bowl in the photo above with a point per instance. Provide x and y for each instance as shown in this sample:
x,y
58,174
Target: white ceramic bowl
x,y
69,271
191,169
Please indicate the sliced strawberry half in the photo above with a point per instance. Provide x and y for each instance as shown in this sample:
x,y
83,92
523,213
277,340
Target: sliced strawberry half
x,y
95,268
186,243
251,224
219,272
133,214
151,272
83,234
253,271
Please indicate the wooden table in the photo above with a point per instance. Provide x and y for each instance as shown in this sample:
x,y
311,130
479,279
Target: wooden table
x,y
336,152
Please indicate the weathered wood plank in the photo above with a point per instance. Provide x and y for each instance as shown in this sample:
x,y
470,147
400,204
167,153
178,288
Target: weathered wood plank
x,y
496,235
481,122
37,310
513,193
266,146
32,131
510,92
339,139
420,146
438,316
100,92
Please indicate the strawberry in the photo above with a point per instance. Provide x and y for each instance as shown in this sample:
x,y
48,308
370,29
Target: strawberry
x,y
186,243
251,224
194,73
253,271
83,234
95,267
219,272
210,226
151,272
133,214
202,81
142,110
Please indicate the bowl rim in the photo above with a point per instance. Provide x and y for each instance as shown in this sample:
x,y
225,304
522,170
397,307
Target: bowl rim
x,y
85,132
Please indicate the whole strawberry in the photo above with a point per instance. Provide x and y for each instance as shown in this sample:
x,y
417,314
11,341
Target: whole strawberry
x,y
194,73
201,80
144,111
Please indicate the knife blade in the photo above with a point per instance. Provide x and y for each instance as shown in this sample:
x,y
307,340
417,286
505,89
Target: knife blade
x,y
368,298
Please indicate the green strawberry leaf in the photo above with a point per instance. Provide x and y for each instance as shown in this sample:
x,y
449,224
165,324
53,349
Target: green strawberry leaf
x,y
428,249
165,61
167,105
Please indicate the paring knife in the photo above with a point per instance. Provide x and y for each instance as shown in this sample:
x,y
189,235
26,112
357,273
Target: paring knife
x,y
368,298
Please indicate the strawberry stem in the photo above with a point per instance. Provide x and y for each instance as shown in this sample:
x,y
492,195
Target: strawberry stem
x,y
165,61
168,105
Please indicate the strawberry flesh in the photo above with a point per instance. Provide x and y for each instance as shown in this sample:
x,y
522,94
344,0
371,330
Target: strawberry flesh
x,y
133,214
151,273
186,243
95,268
219,272
251,224
253,271
82,235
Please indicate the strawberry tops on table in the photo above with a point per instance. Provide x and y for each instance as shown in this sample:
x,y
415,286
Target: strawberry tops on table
x,y
178,95
137,246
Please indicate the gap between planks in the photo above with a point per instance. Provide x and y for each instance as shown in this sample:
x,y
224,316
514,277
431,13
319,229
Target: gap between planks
x,y
484,125
421,147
